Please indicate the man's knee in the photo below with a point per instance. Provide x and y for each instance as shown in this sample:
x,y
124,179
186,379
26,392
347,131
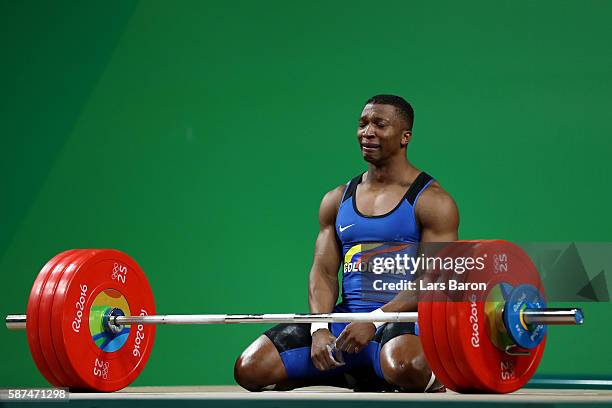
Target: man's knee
x,y
404,365
408,374
246,373
259,366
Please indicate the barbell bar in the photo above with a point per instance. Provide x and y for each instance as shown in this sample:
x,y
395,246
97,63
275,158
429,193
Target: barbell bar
x,y
549,316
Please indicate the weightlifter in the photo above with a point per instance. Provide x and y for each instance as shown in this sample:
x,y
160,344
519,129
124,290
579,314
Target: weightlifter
x,y
392,206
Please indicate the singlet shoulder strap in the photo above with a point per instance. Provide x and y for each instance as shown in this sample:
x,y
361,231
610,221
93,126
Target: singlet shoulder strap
x,y
417,186
351,187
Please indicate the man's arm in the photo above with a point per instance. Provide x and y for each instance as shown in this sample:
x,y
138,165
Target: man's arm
x,y
323,282
438,216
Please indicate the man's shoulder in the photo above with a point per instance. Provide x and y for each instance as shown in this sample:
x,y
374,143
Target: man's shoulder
x,y
435,199
437,214
434,190
330,205
334,196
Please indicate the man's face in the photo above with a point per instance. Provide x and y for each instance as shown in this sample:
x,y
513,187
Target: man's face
x,y
381,133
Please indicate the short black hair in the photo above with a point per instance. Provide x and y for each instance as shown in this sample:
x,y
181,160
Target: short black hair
x,y
402,107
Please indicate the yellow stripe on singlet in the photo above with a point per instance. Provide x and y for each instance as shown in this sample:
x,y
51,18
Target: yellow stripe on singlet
x,y
355,249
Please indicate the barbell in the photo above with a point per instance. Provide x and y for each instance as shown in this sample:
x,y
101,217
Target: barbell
x,y
91,321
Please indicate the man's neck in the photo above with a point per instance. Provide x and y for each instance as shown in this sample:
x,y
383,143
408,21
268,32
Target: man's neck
x,y
397,171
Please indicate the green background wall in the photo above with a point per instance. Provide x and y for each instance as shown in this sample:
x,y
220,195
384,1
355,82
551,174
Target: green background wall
x,y
200,136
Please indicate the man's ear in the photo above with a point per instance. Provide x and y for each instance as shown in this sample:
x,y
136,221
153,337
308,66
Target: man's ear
x,y
406,136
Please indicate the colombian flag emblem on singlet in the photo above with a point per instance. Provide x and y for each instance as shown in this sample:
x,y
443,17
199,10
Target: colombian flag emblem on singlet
x,y
372,265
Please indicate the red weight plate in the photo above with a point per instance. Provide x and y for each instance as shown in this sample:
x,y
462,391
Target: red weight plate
x,y
440,320
475,353
103,362
472,384
59,347
45,321
32,320
427,337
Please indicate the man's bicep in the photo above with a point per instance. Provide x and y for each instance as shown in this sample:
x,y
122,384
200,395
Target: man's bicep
x,y
327,252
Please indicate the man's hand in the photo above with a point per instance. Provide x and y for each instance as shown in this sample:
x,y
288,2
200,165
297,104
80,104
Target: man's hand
x,y
320,351
355,337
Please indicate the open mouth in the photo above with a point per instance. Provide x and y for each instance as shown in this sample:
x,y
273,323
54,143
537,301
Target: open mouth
x,y
370,146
